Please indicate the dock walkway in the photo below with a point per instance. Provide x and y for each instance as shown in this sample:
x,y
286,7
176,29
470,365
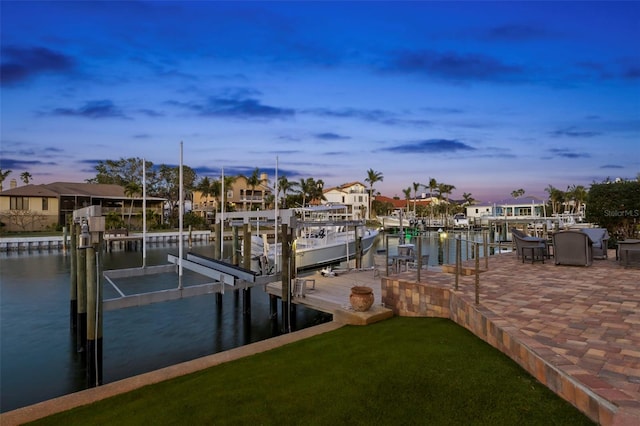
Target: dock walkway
x,y
331,294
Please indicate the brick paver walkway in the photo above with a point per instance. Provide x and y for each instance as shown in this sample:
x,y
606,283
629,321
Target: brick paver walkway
x,y
584,321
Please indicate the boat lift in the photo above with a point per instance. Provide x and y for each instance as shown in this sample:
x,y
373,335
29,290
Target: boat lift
x,y
222,273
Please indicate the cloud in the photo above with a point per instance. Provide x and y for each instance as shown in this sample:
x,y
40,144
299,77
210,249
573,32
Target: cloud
x,y
452,66
331,136
631,73
571,132
150,112
372,115
92,109
515,32
13,164
236,107
430,146
565,153
611,166
22,63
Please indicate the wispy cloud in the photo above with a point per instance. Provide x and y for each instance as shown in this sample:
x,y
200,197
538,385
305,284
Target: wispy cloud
x,y
611,166
92,109
566,153
244,108
573,133
22,63
331,136
430,146
372,115
452,66
516,32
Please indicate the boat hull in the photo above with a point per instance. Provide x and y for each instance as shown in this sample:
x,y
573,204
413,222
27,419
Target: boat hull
x,y
314,257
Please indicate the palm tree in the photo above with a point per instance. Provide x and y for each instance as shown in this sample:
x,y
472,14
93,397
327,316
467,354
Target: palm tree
x,y
433,184
372,178
228,183
3,176
517,193
26,177
416,185
131,189
253,181
468,199
556,197
407,197
283,186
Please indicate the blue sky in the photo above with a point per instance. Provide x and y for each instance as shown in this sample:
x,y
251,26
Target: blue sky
x,y
486,96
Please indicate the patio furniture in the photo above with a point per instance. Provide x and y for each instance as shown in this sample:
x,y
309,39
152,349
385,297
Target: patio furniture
x,y
533,252
572,248
522,240
627,250
600,239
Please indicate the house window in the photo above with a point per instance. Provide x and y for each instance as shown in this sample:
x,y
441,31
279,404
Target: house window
x,y
45,204
19,203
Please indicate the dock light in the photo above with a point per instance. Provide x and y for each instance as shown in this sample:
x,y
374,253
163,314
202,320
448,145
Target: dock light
x,y
84,239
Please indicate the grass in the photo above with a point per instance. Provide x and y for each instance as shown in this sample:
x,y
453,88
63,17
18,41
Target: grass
x,y
400,371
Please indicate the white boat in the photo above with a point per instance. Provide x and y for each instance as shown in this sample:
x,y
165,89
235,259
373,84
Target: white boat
x,y
325,236
397,219
460,221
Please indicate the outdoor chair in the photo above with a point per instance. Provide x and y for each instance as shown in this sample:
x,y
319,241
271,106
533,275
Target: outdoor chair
x,y
600,239
522,240
572,248
424,262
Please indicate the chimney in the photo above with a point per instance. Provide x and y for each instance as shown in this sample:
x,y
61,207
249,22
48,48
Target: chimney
x,y
13,184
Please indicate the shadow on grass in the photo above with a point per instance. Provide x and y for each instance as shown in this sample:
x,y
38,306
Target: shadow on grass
x,y
422,371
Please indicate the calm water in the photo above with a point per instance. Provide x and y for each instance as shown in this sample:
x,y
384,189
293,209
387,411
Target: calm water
x,y
38,360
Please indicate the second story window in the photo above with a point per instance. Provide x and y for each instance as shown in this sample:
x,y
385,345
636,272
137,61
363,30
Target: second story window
x,y
45,204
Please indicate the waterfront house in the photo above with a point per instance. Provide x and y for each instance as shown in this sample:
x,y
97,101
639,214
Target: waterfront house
x,y
353,195
240,196
46,206
522,208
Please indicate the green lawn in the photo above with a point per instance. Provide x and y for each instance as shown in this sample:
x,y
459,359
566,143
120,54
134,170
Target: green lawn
x,y
401,371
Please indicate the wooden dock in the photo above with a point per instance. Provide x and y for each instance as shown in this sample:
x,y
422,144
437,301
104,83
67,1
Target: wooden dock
x,y
331,294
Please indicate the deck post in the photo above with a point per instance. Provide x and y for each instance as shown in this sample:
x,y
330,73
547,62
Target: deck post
x,y
94,314
246,243
81,268
286,278
218,235
73,296
236,247
358,245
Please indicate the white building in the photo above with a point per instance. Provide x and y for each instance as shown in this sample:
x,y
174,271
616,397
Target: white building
x,y
353,195
514,208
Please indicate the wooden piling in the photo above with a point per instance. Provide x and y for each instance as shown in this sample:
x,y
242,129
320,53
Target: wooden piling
x,y
94,316
73,287
235,259
286,277
218,237
81,267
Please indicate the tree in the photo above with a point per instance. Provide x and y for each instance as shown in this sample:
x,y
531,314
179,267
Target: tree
x,y
615,206
130,190
371,179
3,176
468,199
556,198
26,177
283,187
416,186
433,185
407,197
517,193
252,182
168,187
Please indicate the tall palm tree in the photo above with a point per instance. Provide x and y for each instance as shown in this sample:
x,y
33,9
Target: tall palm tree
x,y
3,176
131,189
252,182
433,185
26,177
556,197
283,187
371,179
407,197
416,186
468,199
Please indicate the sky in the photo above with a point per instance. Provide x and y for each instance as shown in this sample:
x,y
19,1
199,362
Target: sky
x,y
489,97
